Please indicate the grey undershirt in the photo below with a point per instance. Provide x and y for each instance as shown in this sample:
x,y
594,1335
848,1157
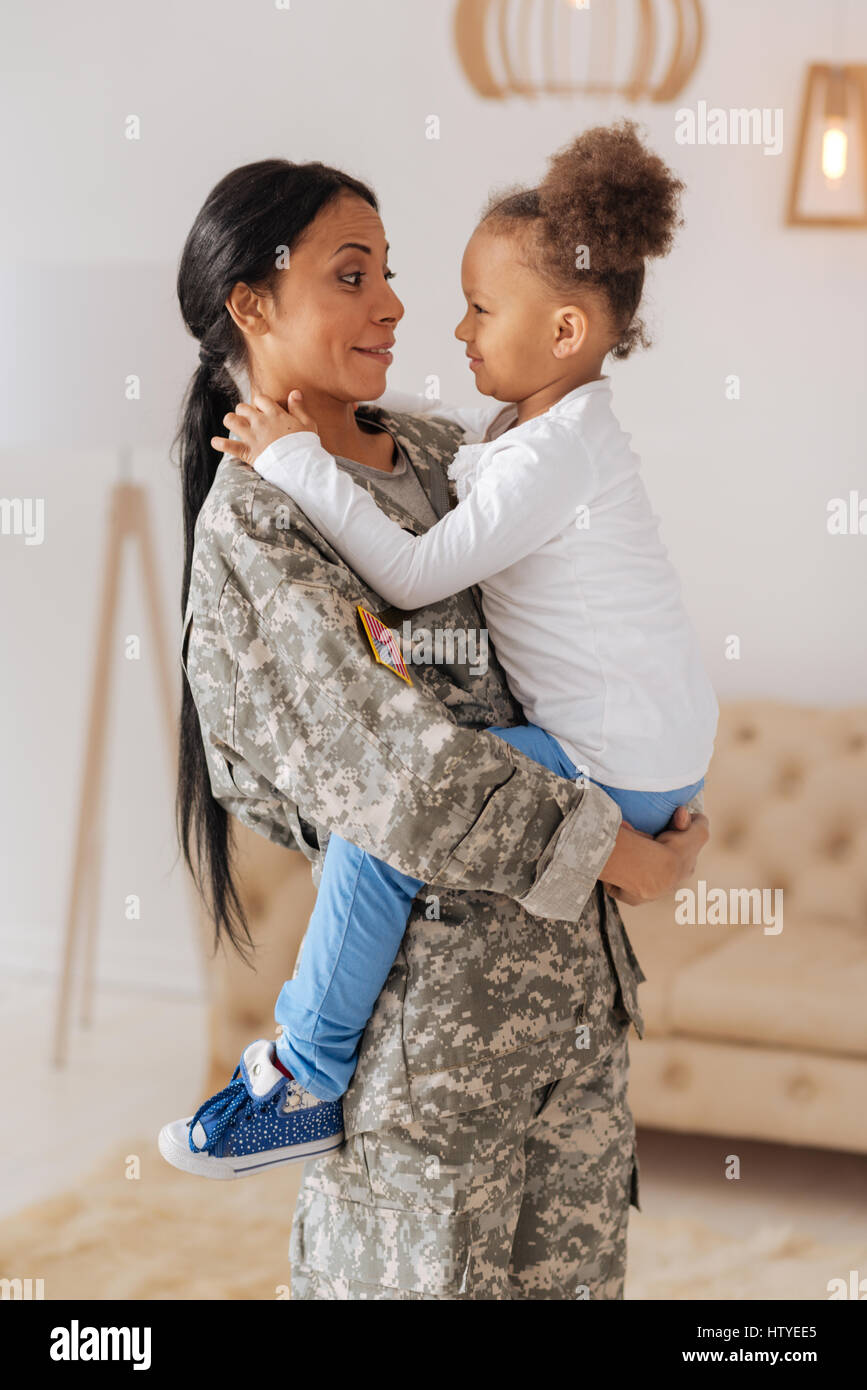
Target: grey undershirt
x,y
401,483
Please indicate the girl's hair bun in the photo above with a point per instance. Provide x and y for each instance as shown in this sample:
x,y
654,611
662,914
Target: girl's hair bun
x,y
608,192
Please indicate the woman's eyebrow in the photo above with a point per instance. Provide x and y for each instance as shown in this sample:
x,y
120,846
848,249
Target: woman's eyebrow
x,y
356,246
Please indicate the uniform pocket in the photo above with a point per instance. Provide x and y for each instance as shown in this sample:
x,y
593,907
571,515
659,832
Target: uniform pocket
x,y
384,1247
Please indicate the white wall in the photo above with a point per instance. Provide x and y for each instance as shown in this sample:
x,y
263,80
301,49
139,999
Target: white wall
x,y
741,486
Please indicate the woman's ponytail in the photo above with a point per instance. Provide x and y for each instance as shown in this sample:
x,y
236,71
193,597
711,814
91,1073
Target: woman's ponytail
x,y
247,220
204,827
209,398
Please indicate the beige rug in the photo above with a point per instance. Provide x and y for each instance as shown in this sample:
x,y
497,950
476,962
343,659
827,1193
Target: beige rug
x,y
166,1235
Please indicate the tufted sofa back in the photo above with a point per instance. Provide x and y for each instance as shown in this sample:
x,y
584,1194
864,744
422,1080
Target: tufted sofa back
x,y
786,795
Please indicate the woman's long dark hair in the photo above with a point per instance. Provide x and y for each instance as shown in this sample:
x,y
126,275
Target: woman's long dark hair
x,y
240,234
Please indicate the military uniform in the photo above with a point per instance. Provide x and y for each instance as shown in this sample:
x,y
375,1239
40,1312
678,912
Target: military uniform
x,y
489,1145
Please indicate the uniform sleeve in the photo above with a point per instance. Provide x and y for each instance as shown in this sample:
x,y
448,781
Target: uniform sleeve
x,y
473,420
524,495
382,763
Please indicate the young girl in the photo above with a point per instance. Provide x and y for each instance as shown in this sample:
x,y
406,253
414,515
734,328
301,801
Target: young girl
x,y
581,602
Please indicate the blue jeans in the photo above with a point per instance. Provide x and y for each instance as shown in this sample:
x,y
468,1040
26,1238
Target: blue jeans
x,y
358,922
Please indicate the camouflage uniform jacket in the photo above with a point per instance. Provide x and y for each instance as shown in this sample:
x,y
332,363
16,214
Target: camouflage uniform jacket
x,y
512,943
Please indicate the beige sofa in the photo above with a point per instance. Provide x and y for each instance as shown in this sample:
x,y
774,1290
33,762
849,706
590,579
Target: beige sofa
x,y
753,1033
749,1033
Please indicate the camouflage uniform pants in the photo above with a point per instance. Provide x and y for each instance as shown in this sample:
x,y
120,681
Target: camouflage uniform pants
x,y
524,1199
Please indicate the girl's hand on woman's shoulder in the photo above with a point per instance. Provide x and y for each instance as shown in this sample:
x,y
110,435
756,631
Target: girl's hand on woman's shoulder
x,y
262,423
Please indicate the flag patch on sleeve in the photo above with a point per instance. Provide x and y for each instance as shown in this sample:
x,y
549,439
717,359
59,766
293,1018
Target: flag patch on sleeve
x,y
384,644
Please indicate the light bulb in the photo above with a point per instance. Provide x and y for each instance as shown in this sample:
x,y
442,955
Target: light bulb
x,y
834,148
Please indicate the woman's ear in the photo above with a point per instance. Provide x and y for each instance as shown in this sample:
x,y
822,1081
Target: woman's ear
x,y
572,329
248,309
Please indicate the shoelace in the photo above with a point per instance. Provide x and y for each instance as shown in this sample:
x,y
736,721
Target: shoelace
x,y
235,1102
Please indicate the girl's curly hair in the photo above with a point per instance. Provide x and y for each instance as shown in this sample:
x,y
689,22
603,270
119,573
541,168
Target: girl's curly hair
x,y
608,193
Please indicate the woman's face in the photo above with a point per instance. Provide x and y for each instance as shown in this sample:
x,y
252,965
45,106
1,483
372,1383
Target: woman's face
x,y
332,322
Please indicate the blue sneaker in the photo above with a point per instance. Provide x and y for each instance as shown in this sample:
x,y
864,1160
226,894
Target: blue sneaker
x,y
260,1119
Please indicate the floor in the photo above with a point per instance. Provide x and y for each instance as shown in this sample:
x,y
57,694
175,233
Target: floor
x,y
137,1066
818,1192
142,1061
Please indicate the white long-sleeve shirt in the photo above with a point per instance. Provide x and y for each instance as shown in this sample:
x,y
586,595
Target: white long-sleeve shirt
x,y
582,604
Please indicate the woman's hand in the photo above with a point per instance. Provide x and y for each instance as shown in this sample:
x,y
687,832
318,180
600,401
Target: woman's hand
x,y
259,424
642,868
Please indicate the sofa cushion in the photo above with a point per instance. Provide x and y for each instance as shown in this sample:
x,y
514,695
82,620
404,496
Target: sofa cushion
x,y
663,950
731,1089
804,989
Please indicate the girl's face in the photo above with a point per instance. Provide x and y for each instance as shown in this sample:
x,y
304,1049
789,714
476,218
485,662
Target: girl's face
x,y
329,329
520,337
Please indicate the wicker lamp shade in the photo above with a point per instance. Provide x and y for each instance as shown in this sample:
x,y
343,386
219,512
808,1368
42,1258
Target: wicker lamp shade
x,y
532,47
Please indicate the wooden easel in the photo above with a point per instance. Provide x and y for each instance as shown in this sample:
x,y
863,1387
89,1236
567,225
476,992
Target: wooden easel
x,y
129,520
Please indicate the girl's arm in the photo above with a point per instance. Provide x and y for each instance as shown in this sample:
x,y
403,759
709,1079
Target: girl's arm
x,y
313,719
473,420
525,495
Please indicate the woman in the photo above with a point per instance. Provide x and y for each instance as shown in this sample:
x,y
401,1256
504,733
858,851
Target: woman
x,y
489,1147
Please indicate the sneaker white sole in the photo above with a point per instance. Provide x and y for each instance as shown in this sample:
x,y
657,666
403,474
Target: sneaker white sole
x,y
175,1149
